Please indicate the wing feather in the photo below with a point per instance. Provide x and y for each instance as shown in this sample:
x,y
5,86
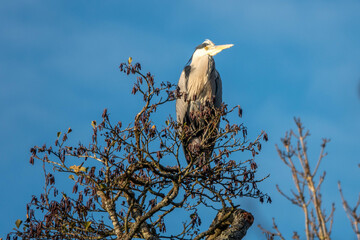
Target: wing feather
x,y
218,89
181,105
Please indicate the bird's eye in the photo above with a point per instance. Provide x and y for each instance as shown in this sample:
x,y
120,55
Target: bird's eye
x,y
206,48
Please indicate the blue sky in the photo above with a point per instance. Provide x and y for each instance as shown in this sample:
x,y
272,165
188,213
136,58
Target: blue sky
x,y
58,69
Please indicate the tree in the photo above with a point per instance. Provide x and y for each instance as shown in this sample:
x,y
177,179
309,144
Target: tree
x,y
129,179
318,224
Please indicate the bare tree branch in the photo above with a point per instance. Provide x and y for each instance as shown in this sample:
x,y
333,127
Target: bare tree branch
x,y
316,222
351,213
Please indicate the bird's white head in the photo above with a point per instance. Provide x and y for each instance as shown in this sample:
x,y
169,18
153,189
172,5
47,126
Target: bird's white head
x,y
209,48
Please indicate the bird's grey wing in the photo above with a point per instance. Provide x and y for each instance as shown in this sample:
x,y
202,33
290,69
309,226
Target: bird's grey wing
x,y
181,105
218,89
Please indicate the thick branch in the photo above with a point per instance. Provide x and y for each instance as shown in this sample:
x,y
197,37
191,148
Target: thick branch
x,y
109,206
234,227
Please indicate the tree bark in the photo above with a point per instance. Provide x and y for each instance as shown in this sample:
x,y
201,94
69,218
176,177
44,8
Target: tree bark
x,y
232,228
109,206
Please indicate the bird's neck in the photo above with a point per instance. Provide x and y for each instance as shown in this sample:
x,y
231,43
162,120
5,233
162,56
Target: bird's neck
x,y
199,66
198,77
200,61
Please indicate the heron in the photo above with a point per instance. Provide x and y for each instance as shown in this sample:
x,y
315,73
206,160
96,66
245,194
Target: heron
x,y
199,83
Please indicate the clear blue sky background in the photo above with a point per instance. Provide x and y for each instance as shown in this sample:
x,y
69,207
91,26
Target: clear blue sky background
x,y
58,69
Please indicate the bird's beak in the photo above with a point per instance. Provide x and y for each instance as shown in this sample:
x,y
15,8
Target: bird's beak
x,y
216,49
